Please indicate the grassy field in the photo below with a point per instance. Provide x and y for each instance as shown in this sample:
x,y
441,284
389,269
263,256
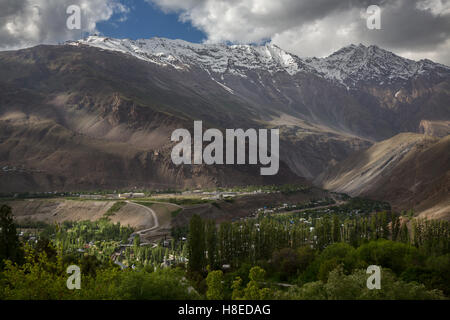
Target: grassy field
x,y
116,207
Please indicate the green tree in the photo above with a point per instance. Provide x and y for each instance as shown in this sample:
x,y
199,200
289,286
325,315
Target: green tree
x,y
336,229
136,241
237,289
43,279
36,279
211,244
306,256
353,287
9,241
404,234
196,245
341,253
165,284
395,226
253,290
45,245
214,281
286,261
396,256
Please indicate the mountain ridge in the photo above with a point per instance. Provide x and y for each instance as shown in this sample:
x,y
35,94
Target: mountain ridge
x,y
356,62
411,171
117,111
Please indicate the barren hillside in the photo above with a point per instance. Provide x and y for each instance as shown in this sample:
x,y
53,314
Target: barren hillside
x,y
411,171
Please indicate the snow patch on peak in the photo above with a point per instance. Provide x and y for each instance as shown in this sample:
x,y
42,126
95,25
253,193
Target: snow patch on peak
x,y
357,63
216,58
348,66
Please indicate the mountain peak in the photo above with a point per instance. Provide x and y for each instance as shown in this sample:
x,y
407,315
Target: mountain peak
x,y
353,64
349,65
213,58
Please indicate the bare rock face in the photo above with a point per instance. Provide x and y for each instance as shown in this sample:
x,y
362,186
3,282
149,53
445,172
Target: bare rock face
x,y
434,128
99,113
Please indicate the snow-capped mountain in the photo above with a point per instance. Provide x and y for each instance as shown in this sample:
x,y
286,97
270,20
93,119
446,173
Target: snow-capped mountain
x,y
118,101
356,63
216,58
348,66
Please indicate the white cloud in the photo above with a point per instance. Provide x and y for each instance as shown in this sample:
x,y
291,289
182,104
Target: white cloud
x,y
321,37
416,28
413,28
25,23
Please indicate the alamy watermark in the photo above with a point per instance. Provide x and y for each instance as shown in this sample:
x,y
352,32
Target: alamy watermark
x,y
74,280
73,22
213,152
374,280
373,20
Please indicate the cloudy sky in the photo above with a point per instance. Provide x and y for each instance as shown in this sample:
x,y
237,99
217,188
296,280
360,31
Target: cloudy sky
x,y
412,28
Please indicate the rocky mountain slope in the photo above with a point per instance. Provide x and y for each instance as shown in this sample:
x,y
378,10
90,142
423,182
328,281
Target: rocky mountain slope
x,y
98,113
349,66
435,128
411,171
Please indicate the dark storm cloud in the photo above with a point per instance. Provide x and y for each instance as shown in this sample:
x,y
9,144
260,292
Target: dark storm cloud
x,y
11,7
406,26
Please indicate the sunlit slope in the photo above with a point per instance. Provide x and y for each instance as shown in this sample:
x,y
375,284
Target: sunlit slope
x,y
411,171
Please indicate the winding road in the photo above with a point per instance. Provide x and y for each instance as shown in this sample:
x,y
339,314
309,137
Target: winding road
x,y
149,210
